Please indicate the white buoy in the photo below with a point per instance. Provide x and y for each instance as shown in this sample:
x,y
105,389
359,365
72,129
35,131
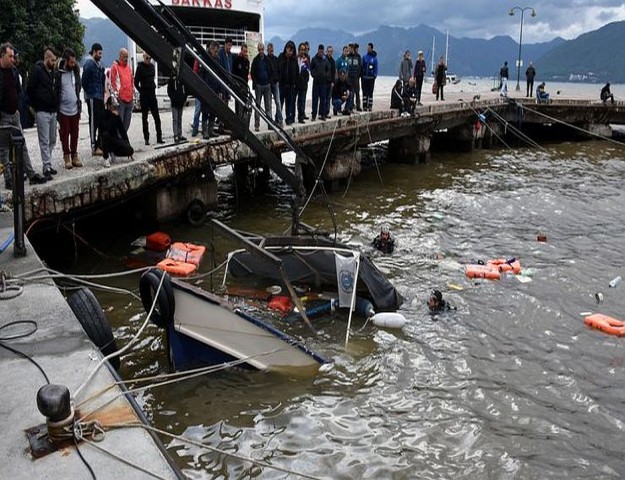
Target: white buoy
x,y
389,320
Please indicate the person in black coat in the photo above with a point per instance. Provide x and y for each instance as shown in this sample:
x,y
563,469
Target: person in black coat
x,y
411,96
288,75
177,96
241,69
397,100
606,94
114,136
44,100
145,82
441,78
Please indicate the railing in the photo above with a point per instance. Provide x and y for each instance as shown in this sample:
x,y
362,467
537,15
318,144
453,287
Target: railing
x,y
205,35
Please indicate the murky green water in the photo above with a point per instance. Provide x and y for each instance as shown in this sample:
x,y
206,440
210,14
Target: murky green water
x,y
511,385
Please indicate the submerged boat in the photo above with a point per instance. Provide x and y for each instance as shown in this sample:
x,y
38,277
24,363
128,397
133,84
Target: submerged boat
x,y
315,266
203,328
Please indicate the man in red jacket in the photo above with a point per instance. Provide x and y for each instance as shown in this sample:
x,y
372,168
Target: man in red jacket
x,y
122,83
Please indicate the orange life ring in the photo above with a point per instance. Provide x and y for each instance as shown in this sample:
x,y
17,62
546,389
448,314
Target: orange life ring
x,y
482,271
179,269
606,324
504,265
186,252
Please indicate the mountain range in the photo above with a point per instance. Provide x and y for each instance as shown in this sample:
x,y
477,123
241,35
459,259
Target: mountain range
x,y
593,56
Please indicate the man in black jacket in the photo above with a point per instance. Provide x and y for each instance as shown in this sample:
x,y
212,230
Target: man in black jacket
x,y
241,69
333,77
177,97
115,141
530,73
354,72
262,74
320,72
44,100
289,72
145,82
10,90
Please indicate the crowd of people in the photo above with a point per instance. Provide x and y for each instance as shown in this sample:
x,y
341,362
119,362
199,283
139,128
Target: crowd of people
x,y
53,89
280,84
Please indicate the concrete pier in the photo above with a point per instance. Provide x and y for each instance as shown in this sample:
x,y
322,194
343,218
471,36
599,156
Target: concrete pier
x,y
176,179
61,347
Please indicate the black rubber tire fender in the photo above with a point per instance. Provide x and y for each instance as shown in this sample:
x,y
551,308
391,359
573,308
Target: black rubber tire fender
x,y
196,213
89,313
163,314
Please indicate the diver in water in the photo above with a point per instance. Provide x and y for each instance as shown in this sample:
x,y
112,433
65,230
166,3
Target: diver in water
x,y
384,242
437,304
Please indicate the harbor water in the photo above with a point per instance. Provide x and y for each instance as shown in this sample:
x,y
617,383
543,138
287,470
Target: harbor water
x,y
512,384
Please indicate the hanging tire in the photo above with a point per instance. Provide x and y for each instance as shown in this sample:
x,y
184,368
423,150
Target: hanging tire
x,y
196,213
93,321
163,313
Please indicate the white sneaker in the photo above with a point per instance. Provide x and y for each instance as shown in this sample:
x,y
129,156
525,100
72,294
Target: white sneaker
x,y
107,163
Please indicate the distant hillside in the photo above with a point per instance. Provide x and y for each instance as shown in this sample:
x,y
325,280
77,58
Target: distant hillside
x,y
105,32
467,56
594,56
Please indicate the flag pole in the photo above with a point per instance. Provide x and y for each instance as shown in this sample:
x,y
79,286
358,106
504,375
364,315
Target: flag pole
x,y
353,303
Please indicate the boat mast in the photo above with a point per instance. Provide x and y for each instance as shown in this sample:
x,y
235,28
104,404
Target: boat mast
x,y
433,44
447,50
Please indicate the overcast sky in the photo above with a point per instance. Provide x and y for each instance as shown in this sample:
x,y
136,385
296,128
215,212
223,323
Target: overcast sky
x,y
473,18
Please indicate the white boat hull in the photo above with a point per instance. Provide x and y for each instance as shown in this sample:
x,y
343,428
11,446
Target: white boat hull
x,y
212,322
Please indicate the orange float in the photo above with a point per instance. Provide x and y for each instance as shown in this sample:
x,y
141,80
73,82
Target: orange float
x,y
606,324
157,242
482,271
176,268
281,303
186,252
504,265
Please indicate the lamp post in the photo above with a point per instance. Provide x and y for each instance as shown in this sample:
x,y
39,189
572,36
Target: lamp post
x,y
518,64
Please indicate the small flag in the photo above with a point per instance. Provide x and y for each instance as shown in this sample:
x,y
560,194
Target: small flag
x,y
346,278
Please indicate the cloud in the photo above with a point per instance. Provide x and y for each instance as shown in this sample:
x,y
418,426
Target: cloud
x,y
475,18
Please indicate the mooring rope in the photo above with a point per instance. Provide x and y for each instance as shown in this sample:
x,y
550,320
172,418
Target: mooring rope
x,y
128,345
487,125
375,160
168,379
120,458
318,179
575,127
516,131
220,451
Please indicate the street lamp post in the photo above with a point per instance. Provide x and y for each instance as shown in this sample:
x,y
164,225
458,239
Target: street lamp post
x,y
518,64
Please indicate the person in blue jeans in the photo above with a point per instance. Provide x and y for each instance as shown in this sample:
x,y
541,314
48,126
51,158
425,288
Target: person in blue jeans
x,y
342,96
275,79
541,94
303,64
